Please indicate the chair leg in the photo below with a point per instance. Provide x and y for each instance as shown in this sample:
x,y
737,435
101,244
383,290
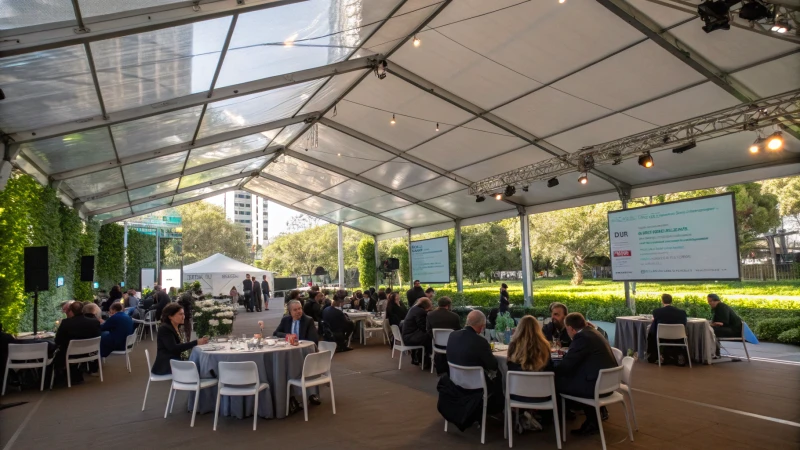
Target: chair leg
x,y
288,396
557,425
69,379
507,431
128,362
483,421
422,361
432,355
44,375
169,400
100,366
52,375
216,410
5,378
563,419
146,390
744,344
627,418
659,354
633,408
305,402
392,351
196,401
333,402
400,362
172,402
688,355
600,425
255,410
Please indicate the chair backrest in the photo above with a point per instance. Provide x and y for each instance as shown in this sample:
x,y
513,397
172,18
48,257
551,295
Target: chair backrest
x,y
317,364
83,346
467,377
398,337
148,316
27,352
441,336
184,371
671,331
238,373
382,306
130,341
617,354
608,381
627,368
530,384
325,346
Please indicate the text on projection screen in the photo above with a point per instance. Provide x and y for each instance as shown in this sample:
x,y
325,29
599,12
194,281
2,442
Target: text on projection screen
x,y
686,240
430,260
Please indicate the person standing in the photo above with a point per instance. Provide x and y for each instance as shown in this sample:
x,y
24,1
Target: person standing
x,y
504,303
247,290
414,294
256,295
265,292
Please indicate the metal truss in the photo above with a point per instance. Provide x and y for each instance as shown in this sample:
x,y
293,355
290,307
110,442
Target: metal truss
x,y
772,111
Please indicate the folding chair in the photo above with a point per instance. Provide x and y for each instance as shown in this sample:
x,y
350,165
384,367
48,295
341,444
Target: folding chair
x,y
625,386
325,346
738,339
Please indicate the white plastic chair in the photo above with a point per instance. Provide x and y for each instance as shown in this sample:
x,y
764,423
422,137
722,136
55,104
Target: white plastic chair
x,y
440,338
530,384
130,341
325,346
185,377
672,331
148,322
28,356
152,377
316,372
625,387
470,378
399,346
83,350
608,381
239,379
617,354
373,329
738,339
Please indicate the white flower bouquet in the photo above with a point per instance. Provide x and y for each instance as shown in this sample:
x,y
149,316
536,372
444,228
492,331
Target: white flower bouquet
x,y
212,318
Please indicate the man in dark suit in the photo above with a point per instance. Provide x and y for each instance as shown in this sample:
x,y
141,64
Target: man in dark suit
x,y
667,315
469,348
338,327
725,323
415,331
313,306
247,289
414,294
265,292
80,326
443,318
556,330
297,323
160,300
115,330
577,373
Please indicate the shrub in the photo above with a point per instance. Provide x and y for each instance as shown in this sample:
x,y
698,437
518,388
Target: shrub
x,y
790,336
771,329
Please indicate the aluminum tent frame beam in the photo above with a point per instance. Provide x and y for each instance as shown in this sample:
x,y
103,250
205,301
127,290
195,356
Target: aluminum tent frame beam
x,y
45,37
171,205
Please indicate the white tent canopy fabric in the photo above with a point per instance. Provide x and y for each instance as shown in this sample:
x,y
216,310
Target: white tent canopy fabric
x,y
161,106
218,273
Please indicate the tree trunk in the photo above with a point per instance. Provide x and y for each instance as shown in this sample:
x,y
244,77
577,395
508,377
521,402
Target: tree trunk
x,y
577,270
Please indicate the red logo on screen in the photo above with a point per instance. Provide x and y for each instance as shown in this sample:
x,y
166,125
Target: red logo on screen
x,y
619,253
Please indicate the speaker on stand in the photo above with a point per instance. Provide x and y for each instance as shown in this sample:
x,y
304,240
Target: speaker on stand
x,y
37,277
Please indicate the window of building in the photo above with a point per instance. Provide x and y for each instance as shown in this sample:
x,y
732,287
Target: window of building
x,y
246,228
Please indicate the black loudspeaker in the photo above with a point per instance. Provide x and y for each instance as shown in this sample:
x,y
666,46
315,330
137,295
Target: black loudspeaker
x,y
37,273
394,264
87,268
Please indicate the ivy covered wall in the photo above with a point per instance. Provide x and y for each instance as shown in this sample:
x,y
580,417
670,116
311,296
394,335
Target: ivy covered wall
x,y
141,254
110,250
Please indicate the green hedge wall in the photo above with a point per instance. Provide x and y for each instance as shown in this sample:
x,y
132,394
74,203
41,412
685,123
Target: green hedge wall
x,y
110,250
82,290
141,254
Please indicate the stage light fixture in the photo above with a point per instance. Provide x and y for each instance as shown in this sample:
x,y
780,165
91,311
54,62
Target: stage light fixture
x,y
781,25
754,11
417,41
775,141
498,196
584,179
510,191
716,14
684,147
479,198
755,147
380,69
645,160
392,121
552,182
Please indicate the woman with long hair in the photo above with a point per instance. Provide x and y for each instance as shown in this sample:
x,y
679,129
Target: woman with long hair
x,y
529,350
171,342
395,310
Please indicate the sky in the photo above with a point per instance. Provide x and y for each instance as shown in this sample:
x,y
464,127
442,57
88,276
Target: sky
x,y
278,215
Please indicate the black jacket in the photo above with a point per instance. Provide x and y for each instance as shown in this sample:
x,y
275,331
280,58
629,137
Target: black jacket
x,y
265,288
372,305
550,331
335,319
728,317
161,300
306,330
247,286
415,323
169,348
467,348
504,303
442,318
578,371
396,313
78,327
667,315
414,294
313,309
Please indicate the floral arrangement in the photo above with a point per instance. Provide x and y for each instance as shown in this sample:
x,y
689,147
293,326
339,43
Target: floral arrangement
x,y
503,326
212,318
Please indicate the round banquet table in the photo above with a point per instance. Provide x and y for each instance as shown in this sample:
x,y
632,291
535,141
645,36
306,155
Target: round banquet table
x,y
631,333
276,365
360,318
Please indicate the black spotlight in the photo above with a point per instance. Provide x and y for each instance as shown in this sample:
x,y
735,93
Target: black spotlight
x,y
684,147
645,160
552,182
2,95
716,14
380,69
479,198
754,11
510,191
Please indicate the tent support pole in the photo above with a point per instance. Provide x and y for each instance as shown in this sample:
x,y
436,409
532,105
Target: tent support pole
x,y
340,251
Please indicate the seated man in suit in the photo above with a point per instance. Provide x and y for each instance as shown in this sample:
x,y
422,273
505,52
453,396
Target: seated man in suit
x,y
443,318
80,326
297,323
313,306
725,323
115,330
415,331
667,315
337,326
556,330
577,373
469,348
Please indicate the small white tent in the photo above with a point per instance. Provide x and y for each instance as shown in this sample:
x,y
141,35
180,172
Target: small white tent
x,y
217,274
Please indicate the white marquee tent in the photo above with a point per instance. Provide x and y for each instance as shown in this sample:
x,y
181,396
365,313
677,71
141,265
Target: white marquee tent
x,y
218,274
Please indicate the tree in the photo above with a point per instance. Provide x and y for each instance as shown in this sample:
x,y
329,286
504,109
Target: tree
x,y
367,272
572,234
206,232
302,222
756,213
485,250
788,192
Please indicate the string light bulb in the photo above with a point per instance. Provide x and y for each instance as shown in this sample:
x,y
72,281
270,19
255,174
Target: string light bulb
x,y
417,41
584,179
562,1
393,121
754,148
775,141
437,126
498,196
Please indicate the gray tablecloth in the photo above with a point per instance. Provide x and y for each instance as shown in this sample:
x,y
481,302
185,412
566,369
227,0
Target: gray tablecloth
x,y
275,367
631,333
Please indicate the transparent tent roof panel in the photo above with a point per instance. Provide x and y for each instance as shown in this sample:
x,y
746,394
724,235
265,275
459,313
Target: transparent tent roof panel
x,y
344,215
151,204
340,150
415,216
399,26
319,205
299,172
205,190
154,168
399,174
277,191
71,151
243,167
353,191
155,132
95,183
28,13
434,188
91,8
462,204
373,225
383,203
113,214
289,133
105,202
331,91
227,149
503,163
154,189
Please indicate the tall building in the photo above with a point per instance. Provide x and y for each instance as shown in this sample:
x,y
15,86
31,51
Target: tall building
x,y
250,212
